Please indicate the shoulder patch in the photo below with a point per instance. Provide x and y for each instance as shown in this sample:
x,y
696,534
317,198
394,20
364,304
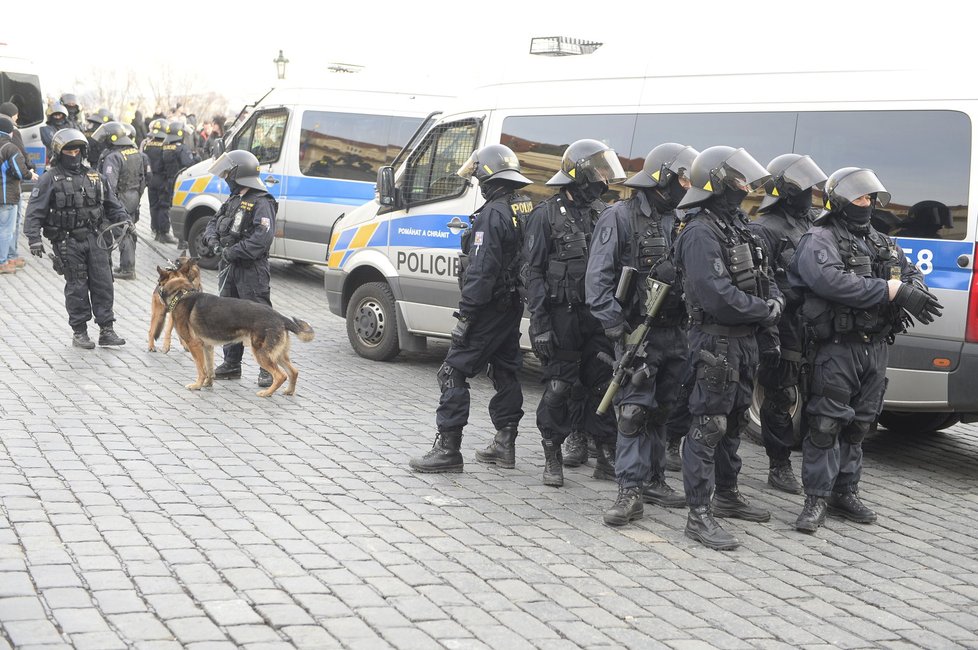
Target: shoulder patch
x,y
478,238
605,234
717,266
265,223
822,256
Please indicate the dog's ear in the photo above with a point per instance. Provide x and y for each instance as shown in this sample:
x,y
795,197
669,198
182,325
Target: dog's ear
x,y
163,272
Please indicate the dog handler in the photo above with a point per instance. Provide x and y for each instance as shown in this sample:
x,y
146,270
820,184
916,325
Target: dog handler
x,y
241,233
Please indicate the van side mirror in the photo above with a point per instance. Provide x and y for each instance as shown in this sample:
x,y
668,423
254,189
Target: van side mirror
x,y
385,186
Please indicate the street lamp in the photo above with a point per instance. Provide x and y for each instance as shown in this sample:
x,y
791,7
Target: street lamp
x,y
280,62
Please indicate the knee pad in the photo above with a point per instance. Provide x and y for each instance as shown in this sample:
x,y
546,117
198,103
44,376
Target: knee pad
x,y
631,420
823,431
500,377
557,393
709,429
449,377
855,431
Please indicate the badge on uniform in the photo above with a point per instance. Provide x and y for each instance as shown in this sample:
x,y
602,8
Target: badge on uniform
x,y
108,169
717,266
477,241
822,256
34,192
265,223
605,234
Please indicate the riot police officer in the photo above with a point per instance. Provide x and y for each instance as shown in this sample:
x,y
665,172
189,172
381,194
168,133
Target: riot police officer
x,y
175,158
152,148
126,170
70,203
728,295
564,334
70,102
242,232
92,123
638,233
785,217
57,119
489,314
858,287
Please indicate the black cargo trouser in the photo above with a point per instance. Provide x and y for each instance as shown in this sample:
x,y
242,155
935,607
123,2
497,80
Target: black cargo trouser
x,y
159,210
780,383
248,281
88,281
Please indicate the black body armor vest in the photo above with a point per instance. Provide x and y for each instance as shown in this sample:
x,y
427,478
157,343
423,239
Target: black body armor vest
x,y
76,204
567,264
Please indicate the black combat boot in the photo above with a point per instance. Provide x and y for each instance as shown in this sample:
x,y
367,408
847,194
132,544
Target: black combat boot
x,y
661,493
107,337
781,477
124,274
812,514
604,467
592,447
627,507
81,340
850,506
701,526
444,455
553,469
731,503
264,378
502,450
674,462
575,449
166,238
228,371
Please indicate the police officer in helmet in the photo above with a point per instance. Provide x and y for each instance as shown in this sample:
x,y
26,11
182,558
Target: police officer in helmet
x,y
70,102
92,123
858,289
565,336
638,233
489,314
69,204
175,158
152,148
785,215
242,232
728,296
126,170
57,119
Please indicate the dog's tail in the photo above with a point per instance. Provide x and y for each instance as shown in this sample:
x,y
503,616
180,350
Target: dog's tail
x,y
158,330
300,328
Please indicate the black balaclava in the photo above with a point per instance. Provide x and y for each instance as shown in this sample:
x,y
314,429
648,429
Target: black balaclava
x,y
728,203
54,121
72,163
588,192
493,189
798,204
857,218
675,192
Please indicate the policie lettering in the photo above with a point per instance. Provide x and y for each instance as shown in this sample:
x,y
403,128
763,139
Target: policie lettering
x,y
428,263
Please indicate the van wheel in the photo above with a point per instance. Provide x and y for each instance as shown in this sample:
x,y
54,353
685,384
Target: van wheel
x,y
371,322
917,423
197,248
754,424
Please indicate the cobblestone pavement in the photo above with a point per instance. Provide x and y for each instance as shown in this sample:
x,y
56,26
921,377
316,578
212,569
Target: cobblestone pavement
x,y
135,513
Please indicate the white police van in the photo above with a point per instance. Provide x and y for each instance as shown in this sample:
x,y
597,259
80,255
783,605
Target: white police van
x,y
393,263
20,84
319,150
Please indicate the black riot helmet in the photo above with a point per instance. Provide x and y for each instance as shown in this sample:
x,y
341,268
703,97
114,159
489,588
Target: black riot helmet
x,y
157,129
101,117
58,107
849,183
174,131
238,168
112,134
791,174
588,161
494,162
67,138
130,131
70,102
718,167
662,164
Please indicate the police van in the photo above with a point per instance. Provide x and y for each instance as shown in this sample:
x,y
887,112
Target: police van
x,y
319,150
393,262
19,83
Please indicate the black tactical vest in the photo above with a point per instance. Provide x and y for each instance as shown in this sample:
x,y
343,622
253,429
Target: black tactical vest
x,y
76,203
132,176
651,254
508,282
570,237
171,160
154,151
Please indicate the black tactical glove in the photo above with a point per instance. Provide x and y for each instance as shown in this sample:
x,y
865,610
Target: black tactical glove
x,y
37,249
616,333
226,255
544,345
460,334
919,303
774,315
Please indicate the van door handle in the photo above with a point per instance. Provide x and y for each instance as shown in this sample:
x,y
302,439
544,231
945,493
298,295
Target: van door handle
x,y
271,180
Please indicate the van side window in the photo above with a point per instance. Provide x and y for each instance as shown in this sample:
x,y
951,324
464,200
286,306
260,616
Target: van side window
x,y
350,146
922,157
24,90
264,135
430,173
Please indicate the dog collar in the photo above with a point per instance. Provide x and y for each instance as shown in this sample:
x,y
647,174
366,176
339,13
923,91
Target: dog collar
x,y
175,298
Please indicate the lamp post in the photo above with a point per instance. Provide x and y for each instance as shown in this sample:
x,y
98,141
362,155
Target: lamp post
x,y
280,62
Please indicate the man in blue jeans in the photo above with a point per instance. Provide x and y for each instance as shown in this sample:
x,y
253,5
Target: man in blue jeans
x,y
13,169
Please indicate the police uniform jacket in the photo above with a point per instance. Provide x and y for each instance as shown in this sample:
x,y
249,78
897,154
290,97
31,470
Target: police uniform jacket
x,y
615,245
246,238
702,258
126,171
44,200
493,244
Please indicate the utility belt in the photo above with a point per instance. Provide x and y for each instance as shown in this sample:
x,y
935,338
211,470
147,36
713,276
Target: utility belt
x,y
828,321
698,317
861,337
78,234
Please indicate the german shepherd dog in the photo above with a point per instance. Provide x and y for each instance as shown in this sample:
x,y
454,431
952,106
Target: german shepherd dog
x,y
203,320
186,266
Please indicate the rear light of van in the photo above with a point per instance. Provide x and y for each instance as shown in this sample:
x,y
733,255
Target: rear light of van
x,y
971,325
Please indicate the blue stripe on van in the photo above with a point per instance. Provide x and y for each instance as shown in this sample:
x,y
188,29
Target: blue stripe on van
x,y
328,190
343,241
379,238
938,261
426,231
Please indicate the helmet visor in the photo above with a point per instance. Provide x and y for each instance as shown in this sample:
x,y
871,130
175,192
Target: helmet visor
x,y
603,166
681,164
860,183
223,166
101,134
741,171
803,174
467,170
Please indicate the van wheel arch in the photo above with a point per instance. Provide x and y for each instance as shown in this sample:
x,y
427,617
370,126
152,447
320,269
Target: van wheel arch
x,y
371,322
